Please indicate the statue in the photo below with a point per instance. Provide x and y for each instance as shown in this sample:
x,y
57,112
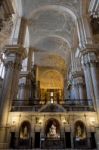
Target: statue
x,y
24,133
52,132
80,134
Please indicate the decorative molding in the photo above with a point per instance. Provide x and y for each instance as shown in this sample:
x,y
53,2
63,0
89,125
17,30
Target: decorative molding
x,y
6,28
8,8
89,59
94,8
87,48
16,49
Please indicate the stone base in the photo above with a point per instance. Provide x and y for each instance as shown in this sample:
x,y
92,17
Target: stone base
x,y
53,144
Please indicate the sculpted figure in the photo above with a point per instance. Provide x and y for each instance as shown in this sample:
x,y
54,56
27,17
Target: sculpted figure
x,y
80,134
24,134
52,132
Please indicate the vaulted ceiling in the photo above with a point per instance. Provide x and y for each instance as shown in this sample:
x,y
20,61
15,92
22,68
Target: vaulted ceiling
x,y
52,28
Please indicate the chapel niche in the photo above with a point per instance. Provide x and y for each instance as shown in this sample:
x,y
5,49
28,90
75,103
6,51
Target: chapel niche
x,y
80,135
25,130
52,129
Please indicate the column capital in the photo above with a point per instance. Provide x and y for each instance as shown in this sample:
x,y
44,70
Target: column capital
x,y
86,48
78,78
89,58
16,49
14,54
77,74
79,81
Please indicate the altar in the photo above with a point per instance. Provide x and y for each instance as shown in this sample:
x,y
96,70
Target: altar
x,y
52,139
52,144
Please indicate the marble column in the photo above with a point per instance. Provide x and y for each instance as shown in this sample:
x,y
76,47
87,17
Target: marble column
x,y
10,84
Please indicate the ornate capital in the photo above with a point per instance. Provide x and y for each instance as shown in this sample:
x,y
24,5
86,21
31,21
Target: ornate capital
x,y
89,58
77,74
14,55
86,48
78,78
17,50
12,64
78,81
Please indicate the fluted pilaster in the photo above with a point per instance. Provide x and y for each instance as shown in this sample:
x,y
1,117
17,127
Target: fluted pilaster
x,y
89,62
10,84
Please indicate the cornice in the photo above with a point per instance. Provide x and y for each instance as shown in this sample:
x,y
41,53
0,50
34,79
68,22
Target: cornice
x,y
87,48
16,49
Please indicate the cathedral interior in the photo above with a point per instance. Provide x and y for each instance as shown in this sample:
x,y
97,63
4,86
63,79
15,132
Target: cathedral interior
x,y
49,74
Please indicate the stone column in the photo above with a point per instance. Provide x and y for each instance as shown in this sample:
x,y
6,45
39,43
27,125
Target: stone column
x,y
84,30
21,91
90,63
86,61
10,84
97,137
94,67
79,85
80,82
76,91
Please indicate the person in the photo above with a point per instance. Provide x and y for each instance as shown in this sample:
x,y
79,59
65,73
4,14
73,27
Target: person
x,y
52,132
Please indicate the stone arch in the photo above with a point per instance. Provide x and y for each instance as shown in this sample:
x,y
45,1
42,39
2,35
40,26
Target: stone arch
x,y
52,83
55,36
54,7
53,44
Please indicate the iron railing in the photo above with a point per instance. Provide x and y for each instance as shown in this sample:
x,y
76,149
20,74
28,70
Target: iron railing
x,y
68,104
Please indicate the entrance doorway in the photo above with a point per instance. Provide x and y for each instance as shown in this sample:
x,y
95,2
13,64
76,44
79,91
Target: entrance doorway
x,y
37,140
12,140
92,140
68,139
